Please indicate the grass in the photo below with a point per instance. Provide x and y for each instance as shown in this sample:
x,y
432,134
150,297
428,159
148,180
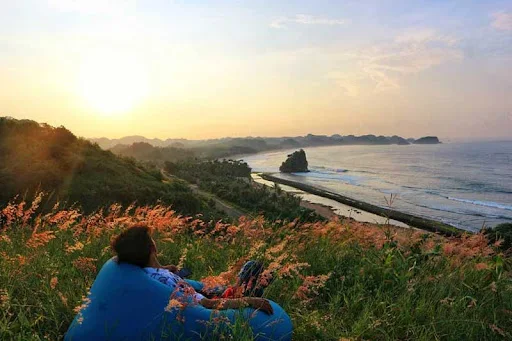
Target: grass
x,y
338,280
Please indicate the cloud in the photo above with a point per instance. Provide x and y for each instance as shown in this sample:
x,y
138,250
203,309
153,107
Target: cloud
x,y
384,66
304,19
348,86
424,36
502,21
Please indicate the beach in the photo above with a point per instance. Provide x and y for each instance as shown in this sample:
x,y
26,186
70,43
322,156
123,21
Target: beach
x,y
329,208
464,185
330,204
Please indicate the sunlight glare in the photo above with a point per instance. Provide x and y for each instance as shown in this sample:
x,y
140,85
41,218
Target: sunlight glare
x,y
112,83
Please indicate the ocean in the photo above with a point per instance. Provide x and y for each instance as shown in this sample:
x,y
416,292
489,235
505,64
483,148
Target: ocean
x,y
467,185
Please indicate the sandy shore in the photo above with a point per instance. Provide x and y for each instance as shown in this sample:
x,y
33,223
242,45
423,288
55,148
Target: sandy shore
x,y
329,208
324,211
329,204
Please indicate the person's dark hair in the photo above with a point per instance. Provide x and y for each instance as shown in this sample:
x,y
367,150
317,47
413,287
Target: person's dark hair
x,y
134,245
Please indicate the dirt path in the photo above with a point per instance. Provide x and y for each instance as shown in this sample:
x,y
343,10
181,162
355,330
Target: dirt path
x,y
220,204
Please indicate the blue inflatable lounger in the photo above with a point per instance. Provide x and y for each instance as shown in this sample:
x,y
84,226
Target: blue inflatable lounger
x,y
126,304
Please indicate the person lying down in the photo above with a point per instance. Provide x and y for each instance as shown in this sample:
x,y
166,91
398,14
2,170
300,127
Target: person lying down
x,y
136,246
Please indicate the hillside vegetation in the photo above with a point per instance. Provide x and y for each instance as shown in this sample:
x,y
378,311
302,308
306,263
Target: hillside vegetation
x,y
231,180
37,156
338,280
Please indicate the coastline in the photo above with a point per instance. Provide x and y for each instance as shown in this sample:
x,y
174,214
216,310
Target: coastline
x,y
238,156
407,219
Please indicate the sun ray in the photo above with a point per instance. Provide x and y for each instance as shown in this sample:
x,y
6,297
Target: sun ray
x,y
112,83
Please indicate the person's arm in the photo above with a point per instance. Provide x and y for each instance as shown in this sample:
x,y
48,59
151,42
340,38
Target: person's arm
x,y
154,263
171,268
253,302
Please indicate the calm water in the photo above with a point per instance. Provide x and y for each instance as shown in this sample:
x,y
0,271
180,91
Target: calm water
x,y
463,184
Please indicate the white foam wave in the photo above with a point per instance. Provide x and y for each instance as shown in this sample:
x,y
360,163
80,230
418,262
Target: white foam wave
x,y
484,203
343,177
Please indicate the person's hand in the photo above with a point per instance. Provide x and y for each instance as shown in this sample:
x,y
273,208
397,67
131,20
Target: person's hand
x,y
260,304
171,268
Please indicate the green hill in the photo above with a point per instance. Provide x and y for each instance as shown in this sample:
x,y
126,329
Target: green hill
x,y
144,151
37,156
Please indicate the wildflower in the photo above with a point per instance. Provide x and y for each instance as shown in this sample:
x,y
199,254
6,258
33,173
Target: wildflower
x,y
183,257
220,320
255,249
288,269
498,243
40,239
22,260
311,286
4,297
8,213
85,264
5,238
77,247
316,324
85,303
276,249
447,301
496,329
481,266
63,298
26,215
493,287
20,209
53,282
105,250
265,279
174,304
213,282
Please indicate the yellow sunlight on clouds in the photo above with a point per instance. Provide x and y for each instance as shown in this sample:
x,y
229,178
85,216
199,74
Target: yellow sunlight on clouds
x,y
112,83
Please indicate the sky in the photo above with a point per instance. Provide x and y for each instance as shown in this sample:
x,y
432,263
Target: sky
x,y
206,69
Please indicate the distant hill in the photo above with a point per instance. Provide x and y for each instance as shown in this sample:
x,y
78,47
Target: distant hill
x,y
427,140
173,150
106,143
146,152
37,156
262,143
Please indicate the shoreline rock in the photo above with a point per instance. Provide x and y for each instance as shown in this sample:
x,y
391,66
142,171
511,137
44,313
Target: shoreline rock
x,y
295,163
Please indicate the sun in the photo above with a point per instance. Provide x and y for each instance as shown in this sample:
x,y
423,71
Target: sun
x,y
112,83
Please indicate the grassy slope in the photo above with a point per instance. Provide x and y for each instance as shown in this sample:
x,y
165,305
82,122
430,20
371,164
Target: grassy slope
x,y
36,156
336,280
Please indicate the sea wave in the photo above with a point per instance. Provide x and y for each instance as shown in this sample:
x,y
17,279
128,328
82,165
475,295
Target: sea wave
x,y
483,203
329,176
458,211
329,169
